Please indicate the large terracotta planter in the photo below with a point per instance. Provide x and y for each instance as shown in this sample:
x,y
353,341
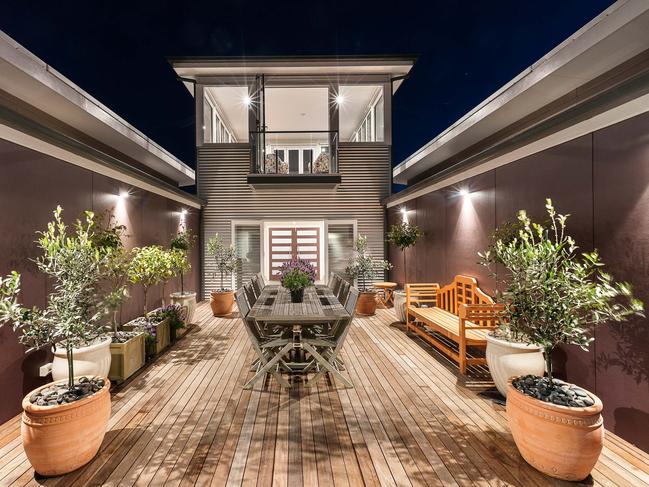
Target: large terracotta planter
x,y
60,439
221,303
93,360
560,441
185,299
366,304
512,359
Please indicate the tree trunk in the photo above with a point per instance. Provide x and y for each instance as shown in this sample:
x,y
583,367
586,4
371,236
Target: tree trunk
x,y
548,363
405,269
70,356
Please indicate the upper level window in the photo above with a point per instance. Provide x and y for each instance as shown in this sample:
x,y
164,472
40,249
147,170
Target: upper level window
x,y
225,114
362,112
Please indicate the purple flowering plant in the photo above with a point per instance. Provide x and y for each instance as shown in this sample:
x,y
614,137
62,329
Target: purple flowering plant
x,y
297,274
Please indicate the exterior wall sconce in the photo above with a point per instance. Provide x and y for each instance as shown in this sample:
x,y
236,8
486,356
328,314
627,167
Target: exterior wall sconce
x,y
123,195
404,215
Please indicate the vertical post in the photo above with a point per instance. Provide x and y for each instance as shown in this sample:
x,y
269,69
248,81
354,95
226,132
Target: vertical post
x,y
334,124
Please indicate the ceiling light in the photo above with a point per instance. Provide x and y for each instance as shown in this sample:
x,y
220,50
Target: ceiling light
x,y
340,99
247,100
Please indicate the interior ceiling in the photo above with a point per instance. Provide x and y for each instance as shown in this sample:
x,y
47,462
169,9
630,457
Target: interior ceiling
x,y
230,101
356,100
295,109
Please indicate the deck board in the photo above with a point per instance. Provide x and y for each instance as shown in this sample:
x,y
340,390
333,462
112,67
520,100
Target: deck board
x,y
410,420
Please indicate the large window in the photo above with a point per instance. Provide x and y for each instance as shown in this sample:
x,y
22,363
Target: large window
x,y
362,113
225,114
340,246
247,241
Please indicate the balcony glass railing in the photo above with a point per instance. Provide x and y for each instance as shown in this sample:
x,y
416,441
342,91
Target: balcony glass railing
x,y
295,152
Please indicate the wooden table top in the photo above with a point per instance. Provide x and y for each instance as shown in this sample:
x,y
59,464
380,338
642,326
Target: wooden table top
x,y
385,285
319,305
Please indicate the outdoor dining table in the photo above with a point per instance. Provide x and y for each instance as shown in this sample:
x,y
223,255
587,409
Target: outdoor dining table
x,y
319,306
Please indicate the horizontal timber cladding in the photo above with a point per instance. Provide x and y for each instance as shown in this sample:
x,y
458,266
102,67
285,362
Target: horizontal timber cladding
x,y
222,171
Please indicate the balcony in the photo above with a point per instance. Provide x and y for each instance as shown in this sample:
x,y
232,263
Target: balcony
x,y
294,159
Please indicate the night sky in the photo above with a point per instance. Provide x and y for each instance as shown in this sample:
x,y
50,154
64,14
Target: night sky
x,y
117,51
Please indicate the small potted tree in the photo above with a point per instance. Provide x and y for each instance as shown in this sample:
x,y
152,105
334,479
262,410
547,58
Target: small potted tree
x,y
182,243
296,276
148,267
404,236
509,353
168,270
63,422
225,260
559,297
363,267
127,347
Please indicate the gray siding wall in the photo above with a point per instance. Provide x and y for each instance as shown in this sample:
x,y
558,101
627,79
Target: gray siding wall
x,y
222,170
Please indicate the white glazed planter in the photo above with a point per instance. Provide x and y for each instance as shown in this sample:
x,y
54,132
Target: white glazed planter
x,y
185,299
400,305
91,360
512,359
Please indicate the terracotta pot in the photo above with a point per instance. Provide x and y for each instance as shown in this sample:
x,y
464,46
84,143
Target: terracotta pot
x,y
512,359
560,441
222,302
93,360
60,439
366,304
185,299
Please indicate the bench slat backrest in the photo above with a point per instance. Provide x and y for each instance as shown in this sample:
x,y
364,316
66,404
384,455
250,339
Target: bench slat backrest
x,y
422,294
463,290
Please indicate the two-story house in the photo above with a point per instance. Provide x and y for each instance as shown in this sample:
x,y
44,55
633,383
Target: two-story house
x,y
293,156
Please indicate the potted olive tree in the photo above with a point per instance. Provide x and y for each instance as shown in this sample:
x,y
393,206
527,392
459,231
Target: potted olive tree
x,y
182,244
225,260
296,276
509,353
76,409
149,266
127,347
169,269
555,295
363,267
404,236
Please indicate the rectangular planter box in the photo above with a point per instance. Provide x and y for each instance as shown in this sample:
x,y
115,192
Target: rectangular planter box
x,y
163,336
126,358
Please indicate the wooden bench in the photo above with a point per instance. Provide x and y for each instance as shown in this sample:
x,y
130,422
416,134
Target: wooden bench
x,y
460,311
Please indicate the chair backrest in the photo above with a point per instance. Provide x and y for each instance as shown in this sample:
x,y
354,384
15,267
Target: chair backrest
x,y
256,285
250,294
336,285
244,309
330,282
242,302
422,294
352,299
261,280
463,290
343,291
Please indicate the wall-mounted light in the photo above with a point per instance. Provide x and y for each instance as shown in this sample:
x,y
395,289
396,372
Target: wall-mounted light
x,y
123,194
183,212
340,99
464,192
247,100
404,215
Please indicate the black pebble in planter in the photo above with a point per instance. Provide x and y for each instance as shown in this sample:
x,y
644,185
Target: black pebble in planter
x,y
297,296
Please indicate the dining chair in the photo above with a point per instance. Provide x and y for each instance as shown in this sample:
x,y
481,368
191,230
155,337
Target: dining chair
x,y
325,349
249,291
343,291
269,351
336,285
256,285
261,280
330,282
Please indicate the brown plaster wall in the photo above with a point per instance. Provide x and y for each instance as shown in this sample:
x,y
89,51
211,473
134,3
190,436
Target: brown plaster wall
x,y
31,185
602,181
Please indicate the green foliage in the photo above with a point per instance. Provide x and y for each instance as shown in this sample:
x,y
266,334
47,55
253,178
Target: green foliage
x,y
404,235
75,307
183,240
295,280
180,245
149,266
552,294
225,258
363,265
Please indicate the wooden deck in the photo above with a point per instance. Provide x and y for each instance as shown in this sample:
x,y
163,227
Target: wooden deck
x,y
185,420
